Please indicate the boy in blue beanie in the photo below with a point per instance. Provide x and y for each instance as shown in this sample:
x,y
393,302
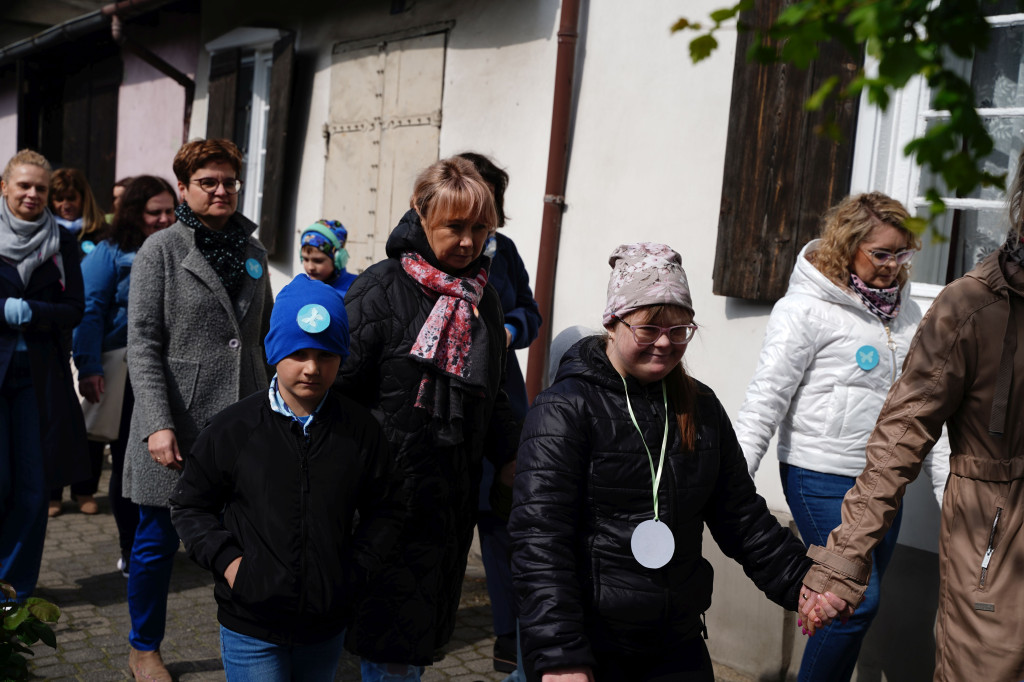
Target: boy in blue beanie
x,y
323,254
269,493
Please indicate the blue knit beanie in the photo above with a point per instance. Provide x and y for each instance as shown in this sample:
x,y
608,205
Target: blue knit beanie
x,y
307,314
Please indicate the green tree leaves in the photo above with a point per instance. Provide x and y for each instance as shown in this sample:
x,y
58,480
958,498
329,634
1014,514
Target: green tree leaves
x,y
906,38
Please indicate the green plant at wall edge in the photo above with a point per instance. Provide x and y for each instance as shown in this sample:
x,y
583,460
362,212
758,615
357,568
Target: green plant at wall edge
x,y
23,624
906,38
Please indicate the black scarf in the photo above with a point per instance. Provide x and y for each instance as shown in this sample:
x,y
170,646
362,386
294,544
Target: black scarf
x,y
224,250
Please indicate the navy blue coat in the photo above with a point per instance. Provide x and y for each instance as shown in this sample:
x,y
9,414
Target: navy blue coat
x,y
509,278
56,308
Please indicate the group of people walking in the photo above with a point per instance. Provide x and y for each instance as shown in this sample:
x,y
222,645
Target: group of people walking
x,y
323,453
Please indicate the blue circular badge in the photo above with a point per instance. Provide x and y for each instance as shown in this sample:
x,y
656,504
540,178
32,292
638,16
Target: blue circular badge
x,y
253,267
867,358
87,246
313,318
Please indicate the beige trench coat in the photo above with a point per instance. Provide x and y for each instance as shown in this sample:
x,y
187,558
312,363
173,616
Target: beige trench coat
x,y
966,353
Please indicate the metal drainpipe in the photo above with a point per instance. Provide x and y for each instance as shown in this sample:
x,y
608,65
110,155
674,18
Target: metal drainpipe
x,y
148,56
554,193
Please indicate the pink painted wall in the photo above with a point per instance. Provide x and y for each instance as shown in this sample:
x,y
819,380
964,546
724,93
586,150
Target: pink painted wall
x,y
8,117
151,106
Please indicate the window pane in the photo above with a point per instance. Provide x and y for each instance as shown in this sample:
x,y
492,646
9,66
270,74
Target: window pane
x,y
992,9
996,74
1008,137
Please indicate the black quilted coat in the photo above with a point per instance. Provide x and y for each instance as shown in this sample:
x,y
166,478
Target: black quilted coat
x,y
583,483
408,611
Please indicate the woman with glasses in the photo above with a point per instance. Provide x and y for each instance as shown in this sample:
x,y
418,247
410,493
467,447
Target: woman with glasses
x,y
198,310
833,346
622,462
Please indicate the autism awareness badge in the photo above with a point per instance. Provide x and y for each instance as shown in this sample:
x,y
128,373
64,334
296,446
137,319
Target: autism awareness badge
x,y
867,358
87,246
253,267
313,318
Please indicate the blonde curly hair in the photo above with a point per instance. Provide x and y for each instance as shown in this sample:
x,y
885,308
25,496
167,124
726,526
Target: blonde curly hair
x,y
845,226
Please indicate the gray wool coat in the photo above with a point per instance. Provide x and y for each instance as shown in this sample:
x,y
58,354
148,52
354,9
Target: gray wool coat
x,y
191,352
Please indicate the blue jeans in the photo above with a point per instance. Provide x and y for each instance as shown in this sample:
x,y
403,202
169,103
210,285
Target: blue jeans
x,y
149,576
389,672
248,659
815,500
23,493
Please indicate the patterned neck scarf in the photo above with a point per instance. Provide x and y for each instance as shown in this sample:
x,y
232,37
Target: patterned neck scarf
x,y
452,343
223,249
1014,247
883,303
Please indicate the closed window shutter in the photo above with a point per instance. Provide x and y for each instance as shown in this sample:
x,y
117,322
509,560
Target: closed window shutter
x,y
222,91
780,174
271,220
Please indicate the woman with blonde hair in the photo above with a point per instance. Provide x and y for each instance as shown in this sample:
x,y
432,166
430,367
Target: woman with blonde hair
x,y
75,207
42,432
427,354
833,346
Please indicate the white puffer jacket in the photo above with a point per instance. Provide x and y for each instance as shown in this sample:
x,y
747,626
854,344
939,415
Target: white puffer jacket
x,y
811,383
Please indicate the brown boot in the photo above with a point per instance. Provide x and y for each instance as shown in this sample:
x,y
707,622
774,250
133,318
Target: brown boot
x,y
147,666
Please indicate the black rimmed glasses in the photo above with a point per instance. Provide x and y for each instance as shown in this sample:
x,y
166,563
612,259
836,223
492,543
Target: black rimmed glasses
x,y
647,334
209,185
881,257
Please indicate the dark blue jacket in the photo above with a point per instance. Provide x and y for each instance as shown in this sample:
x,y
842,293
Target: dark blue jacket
x,y
508,276
56,309
106,272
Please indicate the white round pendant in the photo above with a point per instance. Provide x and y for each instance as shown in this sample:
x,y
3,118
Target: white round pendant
x,y
652,544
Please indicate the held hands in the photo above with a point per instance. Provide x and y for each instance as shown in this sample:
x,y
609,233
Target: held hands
x,y
818,610
91,387
163,448
231,571
581,674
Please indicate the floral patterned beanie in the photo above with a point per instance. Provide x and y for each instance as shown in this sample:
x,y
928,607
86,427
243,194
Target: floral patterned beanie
x,y
645,274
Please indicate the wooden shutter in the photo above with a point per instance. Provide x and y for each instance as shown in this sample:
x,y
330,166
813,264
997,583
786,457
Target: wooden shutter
x,y
780,175
384,128
271,220
221,94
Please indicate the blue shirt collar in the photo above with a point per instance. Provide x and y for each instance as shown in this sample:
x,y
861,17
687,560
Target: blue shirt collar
x,y
277,404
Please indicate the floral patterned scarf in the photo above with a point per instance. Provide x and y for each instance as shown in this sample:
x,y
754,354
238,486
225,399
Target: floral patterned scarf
x,y
452,343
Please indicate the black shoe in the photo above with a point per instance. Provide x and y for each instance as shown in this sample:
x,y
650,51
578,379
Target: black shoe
x,y
505,653
122,566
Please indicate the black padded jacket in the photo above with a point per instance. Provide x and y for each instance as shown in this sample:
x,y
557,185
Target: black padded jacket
x,y
583,483
408,610
256,487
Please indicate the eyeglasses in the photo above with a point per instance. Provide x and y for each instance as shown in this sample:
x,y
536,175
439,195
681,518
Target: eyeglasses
x,y
647,334
209,185
882,258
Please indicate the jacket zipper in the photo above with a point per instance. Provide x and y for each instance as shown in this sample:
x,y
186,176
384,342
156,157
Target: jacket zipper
x,y
891,345
991,548
304,472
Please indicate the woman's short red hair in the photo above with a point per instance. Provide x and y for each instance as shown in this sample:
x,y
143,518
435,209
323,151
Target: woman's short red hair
x,y
195,154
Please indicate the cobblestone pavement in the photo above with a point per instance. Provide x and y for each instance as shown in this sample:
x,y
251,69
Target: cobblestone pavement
x,y
80,576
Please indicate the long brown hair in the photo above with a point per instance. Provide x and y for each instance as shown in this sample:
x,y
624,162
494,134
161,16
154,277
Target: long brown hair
x,y
67,180
680,386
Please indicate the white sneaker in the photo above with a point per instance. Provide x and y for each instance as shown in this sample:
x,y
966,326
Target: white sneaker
x,y
122,566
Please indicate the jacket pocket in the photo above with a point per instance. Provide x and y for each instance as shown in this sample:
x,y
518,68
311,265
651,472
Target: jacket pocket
x,y
835,414
182,377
